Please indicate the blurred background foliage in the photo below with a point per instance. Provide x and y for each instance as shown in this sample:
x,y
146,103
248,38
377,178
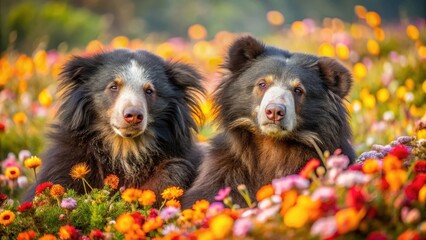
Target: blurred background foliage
x,y
382,42
25,24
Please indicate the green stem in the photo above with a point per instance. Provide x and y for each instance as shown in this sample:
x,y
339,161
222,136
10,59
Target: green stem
x,y
35,175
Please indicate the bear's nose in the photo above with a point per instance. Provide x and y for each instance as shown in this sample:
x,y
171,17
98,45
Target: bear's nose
x,y
275,111
133,115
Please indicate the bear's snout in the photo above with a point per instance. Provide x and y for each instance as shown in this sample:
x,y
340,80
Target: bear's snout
x,y
133,115
275,111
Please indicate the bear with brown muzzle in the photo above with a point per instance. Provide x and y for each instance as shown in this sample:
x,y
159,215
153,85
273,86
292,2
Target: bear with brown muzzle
x,y
275,108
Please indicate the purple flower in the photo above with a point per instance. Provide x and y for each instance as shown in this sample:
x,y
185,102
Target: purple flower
x,y
242,226
222,194
324,227
168,212
68,203
323,194
286,183
338,161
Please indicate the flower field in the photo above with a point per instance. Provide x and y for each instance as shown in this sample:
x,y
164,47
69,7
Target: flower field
x,y
381,197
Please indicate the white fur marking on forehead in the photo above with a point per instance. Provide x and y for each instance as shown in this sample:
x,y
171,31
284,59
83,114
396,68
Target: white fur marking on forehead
x,y
136,72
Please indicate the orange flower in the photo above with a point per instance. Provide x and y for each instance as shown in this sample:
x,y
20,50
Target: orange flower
x,y
310,206
296,217
47,237
275,18
57,191
396,178
112,181
348,220
264,192
7,217
67,232
409,234
152,224
309,168
289,200
390,162
201,205
131,195
32,162
187,215
171,193
124,223
221,226
371,166
197,32
79,171
422,195
28,235
12,173
173,203
147,198
20,118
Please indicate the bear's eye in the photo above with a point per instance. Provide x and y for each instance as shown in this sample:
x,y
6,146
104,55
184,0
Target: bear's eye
x,y
262,85
113,87
149,91
298,91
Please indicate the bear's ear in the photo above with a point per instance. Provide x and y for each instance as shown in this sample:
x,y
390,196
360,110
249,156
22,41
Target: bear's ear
x,y
242,51
184,76
336,77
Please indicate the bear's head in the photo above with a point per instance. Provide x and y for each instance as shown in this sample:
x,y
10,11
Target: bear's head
x,y
279,94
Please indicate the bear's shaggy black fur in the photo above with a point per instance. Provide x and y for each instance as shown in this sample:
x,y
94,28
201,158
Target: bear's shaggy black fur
x,y
127,113
274,106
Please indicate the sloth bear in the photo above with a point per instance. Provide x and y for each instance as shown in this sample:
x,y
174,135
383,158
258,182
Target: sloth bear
x,y
274,107
127,113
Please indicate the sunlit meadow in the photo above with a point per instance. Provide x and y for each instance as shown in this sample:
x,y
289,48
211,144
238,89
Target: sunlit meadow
x,y
382,198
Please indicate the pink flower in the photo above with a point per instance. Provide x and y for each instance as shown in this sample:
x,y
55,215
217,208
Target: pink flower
x,y
286,183
222,194
214,209
325,227
242,226
338,161
169,212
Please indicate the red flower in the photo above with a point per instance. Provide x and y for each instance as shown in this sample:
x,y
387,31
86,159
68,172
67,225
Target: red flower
x,y
355,167
355,198
3,198
376,236
68,232
420,166
28,235
384,185
96,234
138,217
25,206
400,151
309,168
412,190
2,127
42,186
152,213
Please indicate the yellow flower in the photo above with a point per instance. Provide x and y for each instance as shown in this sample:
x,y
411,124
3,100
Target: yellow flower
x,y
32,162
310,206
326,49
57,191
131,195
152,224
296,217
390,162
7,217
20,118
383,95
201,205
371,166
79,171
12,173
124,223
173,203
373,19
120,42
396,178
264,192
221,225
289,200
342,51
147,198
171,193
373,47
348,220
187,215
112,181
47,237
359,70
45,98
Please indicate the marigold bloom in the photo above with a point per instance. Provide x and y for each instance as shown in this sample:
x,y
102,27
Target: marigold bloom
x,y
25,206
47,237
395,179
42,186
391,162
131,195
201,205
7,217
296,217
124,222
79,171
32,162
309,168
152,224
173,203
221,225
371,166
57,191
348,220
20,118
147,198
265,192
28,235
112,181
67,232
12,173
171,193
289,199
